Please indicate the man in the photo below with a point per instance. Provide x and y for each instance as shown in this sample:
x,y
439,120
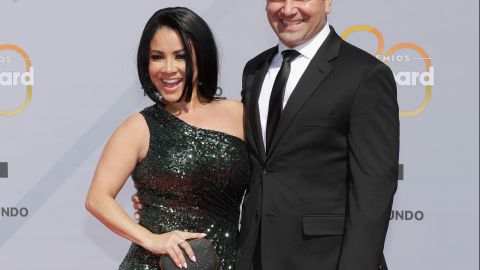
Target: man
x,y
322,131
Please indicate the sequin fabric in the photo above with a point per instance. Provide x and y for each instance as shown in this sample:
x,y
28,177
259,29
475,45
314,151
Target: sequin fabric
x,y
192,179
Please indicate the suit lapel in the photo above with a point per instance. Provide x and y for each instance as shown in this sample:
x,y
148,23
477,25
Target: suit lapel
x,y
253,104
312,78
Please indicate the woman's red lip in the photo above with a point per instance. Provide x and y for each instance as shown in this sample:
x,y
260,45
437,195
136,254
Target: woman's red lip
x,y
173,87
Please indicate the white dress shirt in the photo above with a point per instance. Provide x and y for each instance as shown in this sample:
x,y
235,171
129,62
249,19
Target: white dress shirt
x,y
297,68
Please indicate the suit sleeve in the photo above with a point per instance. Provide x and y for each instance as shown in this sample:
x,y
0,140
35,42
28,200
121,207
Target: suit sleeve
x,y
244,80
373,164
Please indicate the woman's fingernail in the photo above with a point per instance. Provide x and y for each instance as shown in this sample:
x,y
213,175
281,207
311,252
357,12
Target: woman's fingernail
x,y
204,234
194,259
185,265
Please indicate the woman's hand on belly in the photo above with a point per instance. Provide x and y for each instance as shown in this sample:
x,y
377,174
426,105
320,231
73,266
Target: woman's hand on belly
x,y
170,243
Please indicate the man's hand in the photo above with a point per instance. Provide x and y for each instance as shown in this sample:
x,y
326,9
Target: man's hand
x,y
137,205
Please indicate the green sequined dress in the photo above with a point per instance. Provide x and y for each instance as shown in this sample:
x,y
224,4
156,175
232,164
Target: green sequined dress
x,y
192,179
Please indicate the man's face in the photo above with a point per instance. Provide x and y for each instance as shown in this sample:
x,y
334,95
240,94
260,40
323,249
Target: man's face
x,y
297,21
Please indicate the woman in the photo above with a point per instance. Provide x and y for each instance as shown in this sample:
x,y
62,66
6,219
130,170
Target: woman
x,y
186,153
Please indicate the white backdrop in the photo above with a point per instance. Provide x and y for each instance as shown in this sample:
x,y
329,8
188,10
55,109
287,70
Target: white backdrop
x,y
85,84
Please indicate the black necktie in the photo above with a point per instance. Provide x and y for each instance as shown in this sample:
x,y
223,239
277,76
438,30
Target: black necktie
x,y
276,98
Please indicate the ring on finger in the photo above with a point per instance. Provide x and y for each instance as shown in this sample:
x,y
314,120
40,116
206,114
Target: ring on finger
x,y
181,242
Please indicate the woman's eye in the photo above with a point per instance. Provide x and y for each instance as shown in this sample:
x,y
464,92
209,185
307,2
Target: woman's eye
x,y
181,56
156,57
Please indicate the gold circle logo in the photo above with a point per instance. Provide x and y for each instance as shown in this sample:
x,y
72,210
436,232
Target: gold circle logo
x,y
28,97
400,46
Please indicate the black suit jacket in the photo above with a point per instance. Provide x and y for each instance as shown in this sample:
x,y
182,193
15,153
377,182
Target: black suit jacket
x,y
322,196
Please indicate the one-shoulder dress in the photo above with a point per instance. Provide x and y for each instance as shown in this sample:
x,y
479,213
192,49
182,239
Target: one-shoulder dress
x,y
192,179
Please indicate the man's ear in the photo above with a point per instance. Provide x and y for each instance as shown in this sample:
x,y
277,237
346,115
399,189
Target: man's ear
x,y
328,6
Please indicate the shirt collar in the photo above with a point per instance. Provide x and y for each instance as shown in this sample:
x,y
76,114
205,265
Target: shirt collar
x,y
309,48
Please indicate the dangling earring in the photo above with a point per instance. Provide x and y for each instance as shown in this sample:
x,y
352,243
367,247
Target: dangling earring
x,y
157,94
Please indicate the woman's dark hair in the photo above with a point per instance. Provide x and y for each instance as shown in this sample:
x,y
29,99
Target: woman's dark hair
x,y
196,37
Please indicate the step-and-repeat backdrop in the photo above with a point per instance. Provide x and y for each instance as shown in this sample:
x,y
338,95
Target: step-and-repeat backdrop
x,y
68,79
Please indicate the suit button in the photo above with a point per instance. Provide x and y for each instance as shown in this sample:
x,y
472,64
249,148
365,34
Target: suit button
x,y
267,171
257,214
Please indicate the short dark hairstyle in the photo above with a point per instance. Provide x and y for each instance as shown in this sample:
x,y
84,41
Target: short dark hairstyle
x,y
196,37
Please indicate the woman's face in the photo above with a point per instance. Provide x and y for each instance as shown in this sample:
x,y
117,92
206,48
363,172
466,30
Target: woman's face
x,y
167,65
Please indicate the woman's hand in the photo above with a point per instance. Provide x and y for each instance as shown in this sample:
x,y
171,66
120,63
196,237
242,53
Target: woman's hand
x,y
171,243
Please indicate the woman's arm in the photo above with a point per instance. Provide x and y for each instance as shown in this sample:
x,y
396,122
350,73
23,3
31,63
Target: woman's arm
x,y
127,146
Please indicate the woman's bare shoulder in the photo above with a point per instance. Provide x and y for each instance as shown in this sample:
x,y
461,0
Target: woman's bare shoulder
x,y
135,123
232,106
134,129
